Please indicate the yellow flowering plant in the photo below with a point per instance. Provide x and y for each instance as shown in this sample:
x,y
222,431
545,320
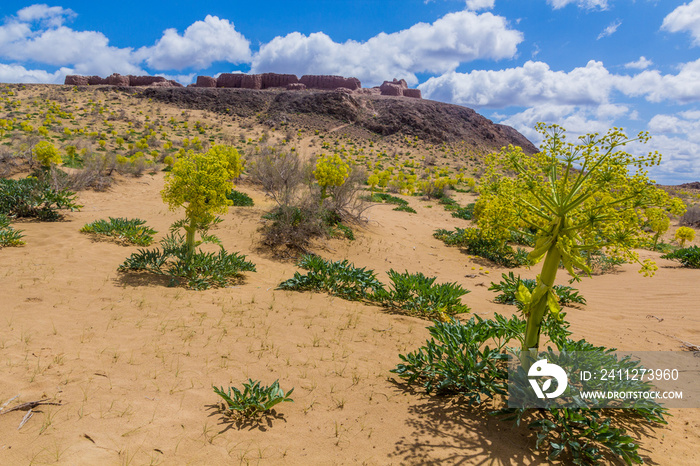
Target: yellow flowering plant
x,y
330,171
199,182
577,198
46,154
684,234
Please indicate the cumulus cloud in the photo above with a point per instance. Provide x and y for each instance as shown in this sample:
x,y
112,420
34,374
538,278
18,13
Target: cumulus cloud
x,y
37,34
20,74
436,48
87,51
679,163
203,43
685,18
51,16
683,87
476,5
576,119
610,30
586,4
534,83
686,123
641,64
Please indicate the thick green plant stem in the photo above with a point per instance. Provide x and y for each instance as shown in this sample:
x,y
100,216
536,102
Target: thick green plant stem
x,y
323,196
191,230
539,309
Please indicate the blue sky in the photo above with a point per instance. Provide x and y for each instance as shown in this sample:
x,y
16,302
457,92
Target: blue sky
x,y
585,64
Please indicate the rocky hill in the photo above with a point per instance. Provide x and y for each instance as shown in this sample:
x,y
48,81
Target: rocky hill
x,y
431,121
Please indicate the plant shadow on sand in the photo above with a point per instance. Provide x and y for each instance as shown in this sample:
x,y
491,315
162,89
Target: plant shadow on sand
x,y
234,421
135,279
450,431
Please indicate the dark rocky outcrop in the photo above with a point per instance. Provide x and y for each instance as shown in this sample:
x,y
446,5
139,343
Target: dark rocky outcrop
x,y
432,121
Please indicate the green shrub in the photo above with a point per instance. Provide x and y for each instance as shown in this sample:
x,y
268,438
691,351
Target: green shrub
x,y
509,288
240,199
465,213
340,278
199,270
475,242
469,359
386,198
34,198
688,257
128,231
255,400
405,208
343,231
8,235
524,238
419,295
415,294
449,203
599,262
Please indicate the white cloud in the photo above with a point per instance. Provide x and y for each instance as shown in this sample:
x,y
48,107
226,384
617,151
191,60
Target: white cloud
x,y
87,51
685,123
576,119
586,4
641,64
51,16
535,83
685,18
676,137
19,74
203,43
476,5
37,34
532,84
610,30
683,87
680,160
438,47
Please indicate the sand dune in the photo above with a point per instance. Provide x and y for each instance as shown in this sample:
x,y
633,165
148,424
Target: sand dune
x,y
133,361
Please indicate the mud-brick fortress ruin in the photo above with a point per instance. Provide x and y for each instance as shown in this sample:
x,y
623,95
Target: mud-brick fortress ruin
x,y
290,82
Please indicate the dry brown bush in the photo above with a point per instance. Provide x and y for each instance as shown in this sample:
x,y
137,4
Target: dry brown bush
x,y
691,217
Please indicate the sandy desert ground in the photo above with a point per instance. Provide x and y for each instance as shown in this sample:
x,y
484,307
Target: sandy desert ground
x,y
133,361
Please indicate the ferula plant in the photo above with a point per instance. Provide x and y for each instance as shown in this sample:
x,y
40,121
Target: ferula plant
x,y
579,197
684,234
330,172
201,183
